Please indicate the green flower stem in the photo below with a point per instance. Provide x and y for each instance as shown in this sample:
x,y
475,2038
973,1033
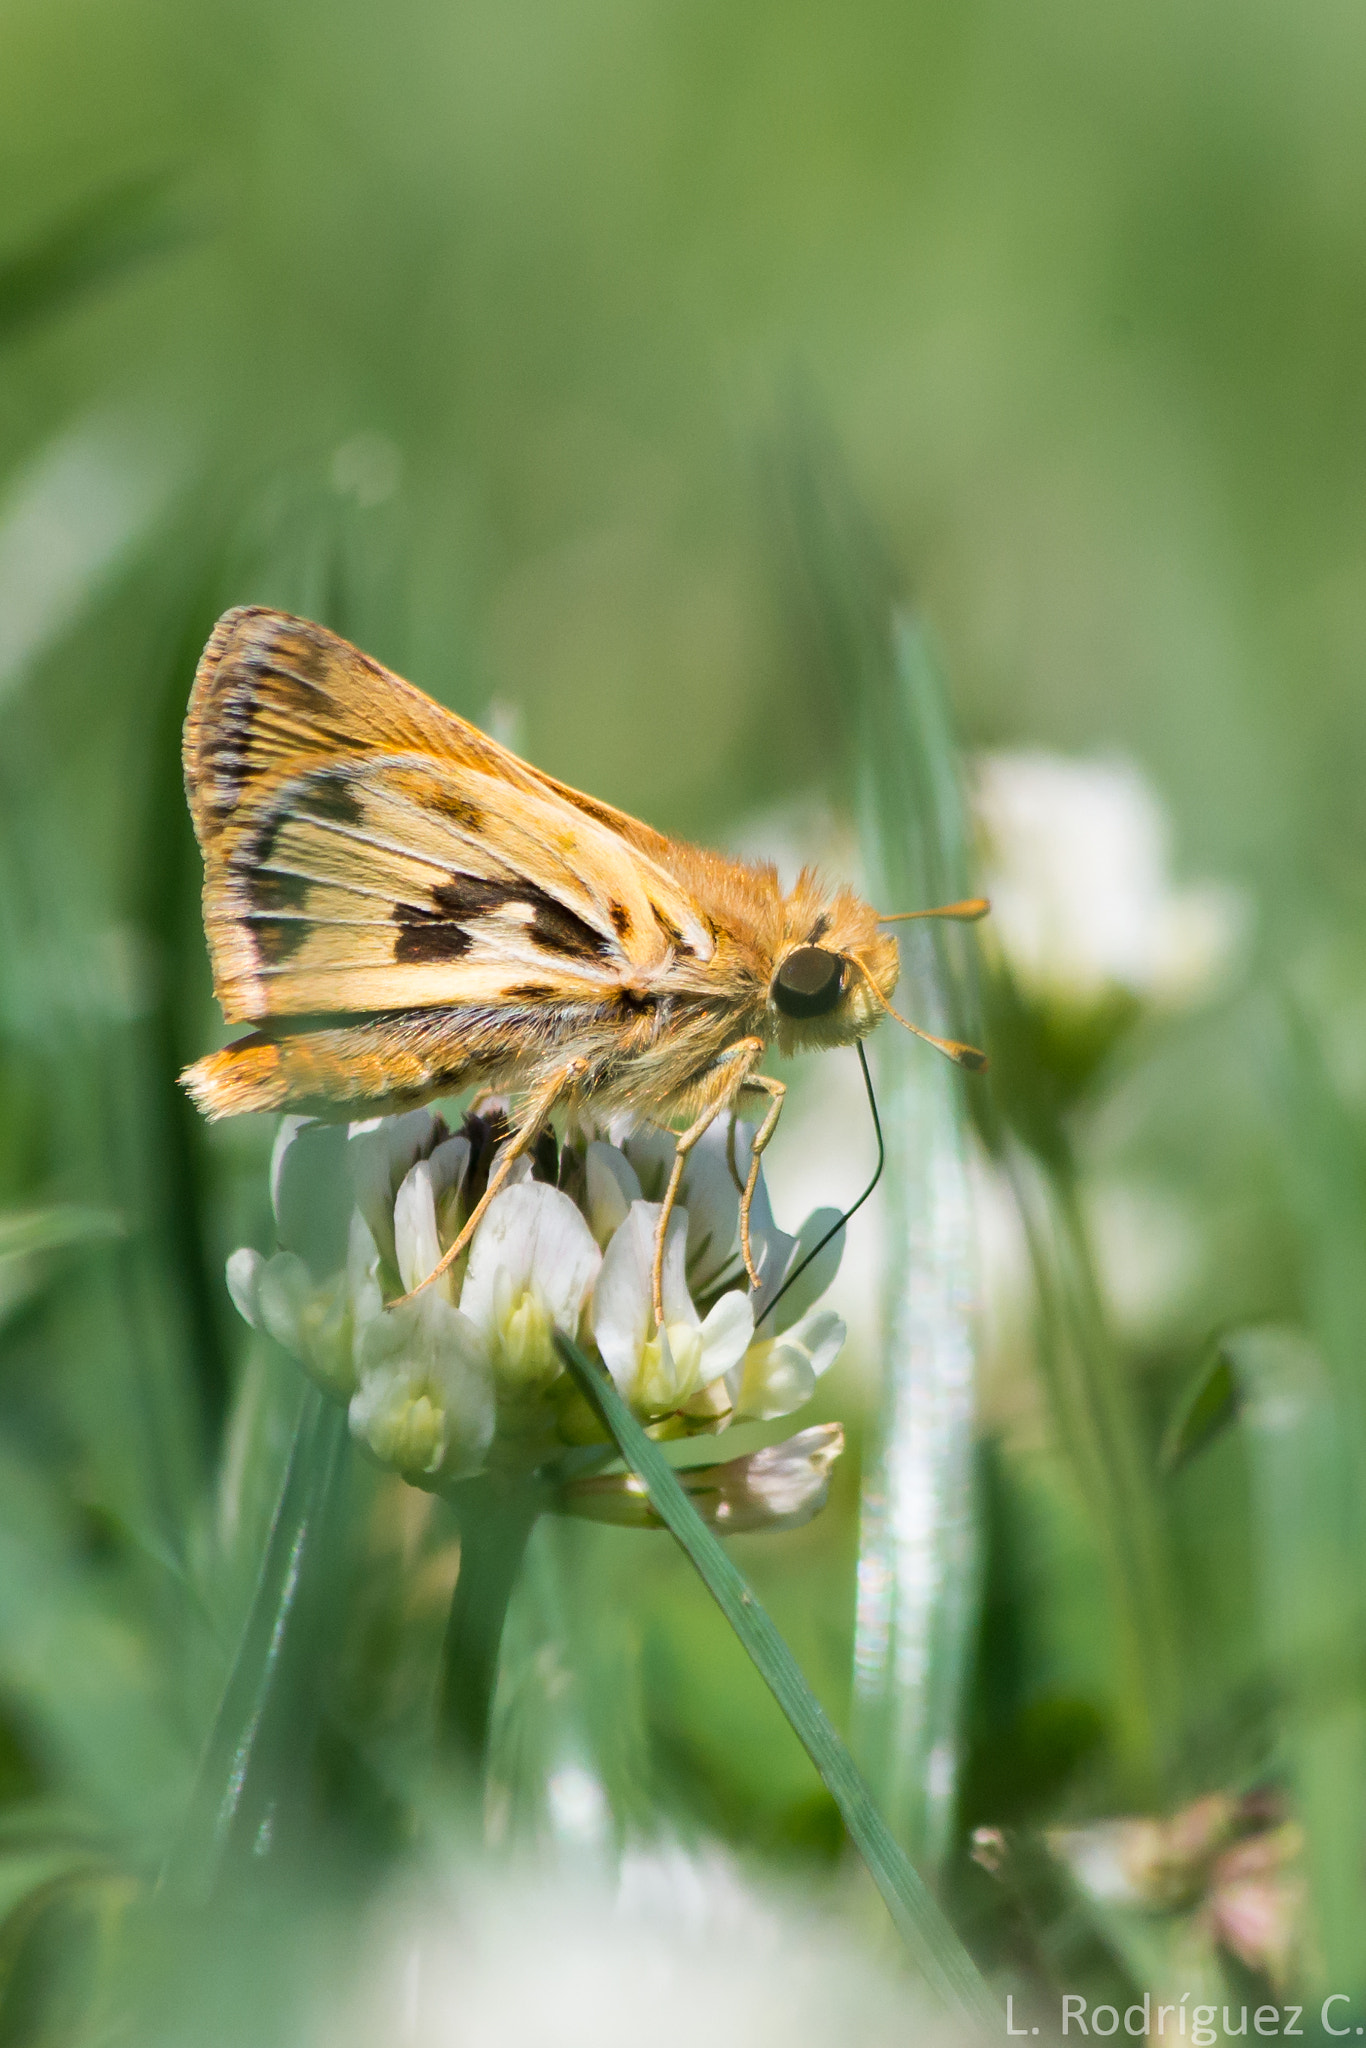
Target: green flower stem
x,y
931,1942
496,1515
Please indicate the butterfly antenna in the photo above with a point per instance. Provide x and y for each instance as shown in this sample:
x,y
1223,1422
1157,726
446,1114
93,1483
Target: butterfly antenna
x,y
967,912
968,1056
836,1228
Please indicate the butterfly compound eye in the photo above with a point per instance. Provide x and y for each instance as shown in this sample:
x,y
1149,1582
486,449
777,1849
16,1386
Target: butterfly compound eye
x,y
809,983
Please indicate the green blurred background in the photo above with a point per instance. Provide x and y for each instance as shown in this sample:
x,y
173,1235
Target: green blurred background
x,y
500,338
1078,294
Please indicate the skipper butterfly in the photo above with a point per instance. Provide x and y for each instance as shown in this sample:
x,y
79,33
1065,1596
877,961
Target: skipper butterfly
x,y
402,909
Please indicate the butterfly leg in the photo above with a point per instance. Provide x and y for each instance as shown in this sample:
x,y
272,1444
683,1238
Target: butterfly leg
x,y
532,1117
775,1090
723,1084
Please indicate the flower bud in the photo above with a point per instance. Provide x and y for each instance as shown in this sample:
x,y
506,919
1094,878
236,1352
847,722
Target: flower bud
x,y
777,1488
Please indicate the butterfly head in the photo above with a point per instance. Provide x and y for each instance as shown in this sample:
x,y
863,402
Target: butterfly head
x,y
835,970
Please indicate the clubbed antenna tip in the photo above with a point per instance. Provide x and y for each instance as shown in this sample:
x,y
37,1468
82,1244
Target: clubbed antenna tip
x,y
966,912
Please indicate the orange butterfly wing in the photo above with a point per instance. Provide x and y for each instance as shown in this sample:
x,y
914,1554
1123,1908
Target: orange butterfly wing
x,y
367,851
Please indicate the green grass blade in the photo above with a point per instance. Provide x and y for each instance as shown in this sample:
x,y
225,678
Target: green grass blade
x,y
931,1942
918,1565
24,1233
915,832
110,233
1324,1174
496,1521
1208,1405
255,1765
1303,1478
1313,1460
29,1238
80,1665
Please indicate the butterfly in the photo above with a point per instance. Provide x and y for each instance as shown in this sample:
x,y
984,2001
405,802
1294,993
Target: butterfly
x,y
402,909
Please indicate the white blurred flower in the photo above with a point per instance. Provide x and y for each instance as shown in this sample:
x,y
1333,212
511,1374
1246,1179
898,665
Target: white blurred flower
x,y
467,1373
1257,1898
680,1945
1077,863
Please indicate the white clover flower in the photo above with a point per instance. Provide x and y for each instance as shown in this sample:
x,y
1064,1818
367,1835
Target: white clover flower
x,y
466,1373
709,1195
382,1152
532,1265
424,1403
661,1370
1077,863
611,1185
314,1320
779,1375
428,1191
1231,1869
779,1372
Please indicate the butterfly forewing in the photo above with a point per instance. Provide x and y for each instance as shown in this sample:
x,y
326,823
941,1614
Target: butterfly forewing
x,y
366,850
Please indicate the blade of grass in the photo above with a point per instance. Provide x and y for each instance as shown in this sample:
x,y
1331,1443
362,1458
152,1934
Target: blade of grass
x,y
81,1668
255,1764
1314,1567
918,1565
912,1650
30,1237
24,1233
918,1562
71,986
568,1758
1302,1474
930,1941
108,234
1324,1175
